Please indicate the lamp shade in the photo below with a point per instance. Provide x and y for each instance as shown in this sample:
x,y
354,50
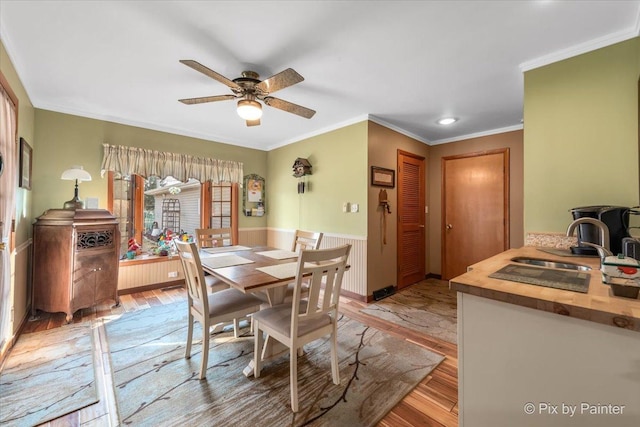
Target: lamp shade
x,y
249,109
76,172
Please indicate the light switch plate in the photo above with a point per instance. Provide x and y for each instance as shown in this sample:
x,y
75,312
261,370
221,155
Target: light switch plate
x,y
91,203
354,207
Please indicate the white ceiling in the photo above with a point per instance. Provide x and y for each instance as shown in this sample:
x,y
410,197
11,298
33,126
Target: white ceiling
x,y
403,64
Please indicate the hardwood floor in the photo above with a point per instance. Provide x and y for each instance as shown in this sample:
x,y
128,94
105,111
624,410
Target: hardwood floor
x,y
434,402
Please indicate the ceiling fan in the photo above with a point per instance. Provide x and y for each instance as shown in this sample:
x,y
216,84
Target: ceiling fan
x,y
248,89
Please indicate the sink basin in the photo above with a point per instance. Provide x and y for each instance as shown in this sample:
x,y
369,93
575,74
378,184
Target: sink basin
x,y
551,264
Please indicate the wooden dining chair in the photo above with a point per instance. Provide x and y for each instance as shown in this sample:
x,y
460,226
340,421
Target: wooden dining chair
x,y
209,308
303,240
214,237
304,321
306,240
210,238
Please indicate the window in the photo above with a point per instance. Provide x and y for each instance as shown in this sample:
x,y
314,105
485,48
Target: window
x,y
220,206
148,208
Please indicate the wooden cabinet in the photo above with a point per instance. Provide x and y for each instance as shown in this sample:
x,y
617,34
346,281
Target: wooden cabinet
x,y
75,260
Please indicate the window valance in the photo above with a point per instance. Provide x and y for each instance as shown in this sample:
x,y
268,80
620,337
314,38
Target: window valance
x,y
146,163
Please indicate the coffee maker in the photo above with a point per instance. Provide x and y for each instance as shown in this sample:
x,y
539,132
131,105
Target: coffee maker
x,y
616,218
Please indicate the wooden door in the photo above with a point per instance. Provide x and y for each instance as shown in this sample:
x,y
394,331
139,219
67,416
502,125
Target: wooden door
x,y
475,209
411,219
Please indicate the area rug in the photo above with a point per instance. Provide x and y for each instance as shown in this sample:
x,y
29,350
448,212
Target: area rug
x,y
155,384
48,374
428,307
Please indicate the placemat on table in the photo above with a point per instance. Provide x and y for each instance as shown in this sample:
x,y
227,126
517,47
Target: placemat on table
x,y
279,254
225,261
226,249
280,271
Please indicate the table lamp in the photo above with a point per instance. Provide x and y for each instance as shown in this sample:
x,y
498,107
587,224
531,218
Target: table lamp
x,y
78,174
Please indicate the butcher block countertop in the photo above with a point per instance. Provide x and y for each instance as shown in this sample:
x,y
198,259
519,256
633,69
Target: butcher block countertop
x,y
597,305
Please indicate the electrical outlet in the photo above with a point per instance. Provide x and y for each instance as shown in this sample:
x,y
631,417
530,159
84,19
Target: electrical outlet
x,y
354,207
173,274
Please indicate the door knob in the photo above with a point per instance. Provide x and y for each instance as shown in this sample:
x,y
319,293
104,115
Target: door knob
x,y
449,226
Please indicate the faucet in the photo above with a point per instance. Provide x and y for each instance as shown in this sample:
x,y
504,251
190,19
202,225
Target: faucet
x,y
602,252
603,247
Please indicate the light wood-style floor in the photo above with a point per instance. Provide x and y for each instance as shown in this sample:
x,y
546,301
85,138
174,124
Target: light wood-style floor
x,y
434,402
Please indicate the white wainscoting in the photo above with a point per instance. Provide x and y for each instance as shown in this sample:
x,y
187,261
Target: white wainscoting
x,y
138,275
355,280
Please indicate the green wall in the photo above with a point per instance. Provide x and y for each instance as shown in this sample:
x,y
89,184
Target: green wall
x,y
65,140
339,174
581,135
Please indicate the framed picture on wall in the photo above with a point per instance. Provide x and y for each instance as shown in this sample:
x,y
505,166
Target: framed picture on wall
x,y
383,177
25,164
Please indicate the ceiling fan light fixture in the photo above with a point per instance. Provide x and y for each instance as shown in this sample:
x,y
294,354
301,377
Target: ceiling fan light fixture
x,y
447,120
249,109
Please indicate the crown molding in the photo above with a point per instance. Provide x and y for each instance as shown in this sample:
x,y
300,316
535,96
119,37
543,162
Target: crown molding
x,y
581,48
478,134
381,122
8,48
145,125
320,131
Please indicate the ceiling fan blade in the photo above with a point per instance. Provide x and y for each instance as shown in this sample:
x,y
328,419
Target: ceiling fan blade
x,y
283,79
208,72
289,107
253,122
191,101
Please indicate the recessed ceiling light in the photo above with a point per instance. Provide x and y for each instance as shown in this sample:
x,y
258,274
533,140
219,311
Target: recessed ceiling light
x,y
447,120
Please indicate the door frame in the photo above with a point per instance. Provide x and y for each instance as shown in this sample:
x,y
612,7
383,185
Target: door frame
x,y
505,203
7,341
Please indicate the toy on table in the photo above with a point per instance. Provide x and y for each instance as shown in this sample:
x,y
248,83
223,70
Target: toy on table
x,y
184,237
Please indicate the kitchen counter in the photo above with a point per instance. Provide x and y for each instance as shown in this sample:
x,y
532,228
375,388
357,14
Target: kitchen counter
x,y
597,305
530,355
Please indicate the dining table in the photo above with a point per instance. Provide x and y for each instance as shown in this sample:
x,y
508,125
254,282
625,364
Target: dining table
x,y
261,270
